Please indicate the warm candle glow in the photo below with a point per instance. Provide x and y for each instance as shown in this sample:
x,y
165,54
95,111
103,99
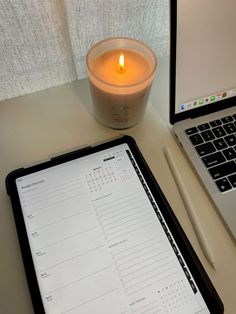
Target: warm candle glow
x,y
120,72
122,62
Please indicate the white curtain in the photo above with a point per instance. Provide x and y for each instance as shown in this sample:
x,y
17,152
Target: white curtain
x,y
43,43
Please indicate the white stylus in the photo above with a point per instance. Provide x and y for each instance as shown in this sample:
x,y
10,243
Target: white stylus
x,y
189,207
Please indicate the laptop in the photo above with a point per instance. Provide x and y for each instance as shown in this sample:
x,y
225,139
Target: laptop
x,y
203,95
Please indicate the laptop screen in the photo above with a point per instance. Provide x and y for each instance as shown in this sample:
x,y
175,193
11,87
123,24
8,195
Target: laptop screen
x,y
203,55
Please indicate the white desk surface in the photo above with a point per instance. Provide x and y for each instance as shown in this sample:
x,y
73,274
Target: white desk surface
x,y
38,125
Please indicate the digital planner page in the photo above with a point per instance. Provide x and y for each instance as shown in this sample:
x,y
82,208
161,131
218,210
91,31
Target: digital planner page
x,y
97,244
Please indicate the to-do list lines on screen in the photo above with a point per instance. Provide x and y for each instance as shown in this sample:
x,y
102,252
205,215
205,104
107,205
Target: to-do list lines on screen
x,y
99,242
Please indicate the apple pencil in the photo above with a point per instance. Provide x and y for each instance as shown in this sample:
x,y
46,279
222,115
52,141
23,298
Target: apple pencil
x,y
189,207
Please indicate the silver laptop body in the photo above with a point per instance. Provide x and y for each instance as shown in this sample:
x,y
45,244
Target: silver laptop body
x,y
203,95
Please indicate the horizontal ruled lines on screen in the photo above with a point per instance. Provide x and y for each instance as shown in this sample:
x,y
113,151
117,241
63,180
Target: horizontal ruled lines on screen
x,y
152,277
144,248
64,262
58,221
66,238
43,192
150,308
107,294
92,274
68,248
145,263
122,216
117,202
56,214
43,198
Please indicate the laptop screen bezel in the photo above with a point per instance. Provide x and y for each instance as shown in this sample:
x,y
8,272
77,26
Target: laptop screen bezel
x,y
175,117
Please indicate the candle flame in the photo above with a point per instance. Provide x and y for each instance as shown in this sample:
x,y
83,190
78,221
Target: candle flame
x,y
122,62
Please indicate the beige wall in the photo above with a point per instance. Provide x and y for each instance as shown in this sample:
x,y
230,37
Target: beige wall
x,y
43,43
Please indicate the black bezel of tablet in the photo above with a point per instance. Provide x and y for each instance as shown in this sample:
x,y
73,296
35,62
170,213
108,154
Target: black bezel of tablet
x,y
200,276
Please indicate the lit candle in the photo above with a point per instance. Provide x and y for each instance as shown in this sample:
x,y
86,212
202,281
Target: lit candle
x,y
121,72
122,63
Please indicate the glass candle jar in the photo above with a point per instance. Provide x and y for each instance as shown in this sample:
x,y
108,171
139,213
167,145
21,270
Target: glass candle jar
x,y
120,72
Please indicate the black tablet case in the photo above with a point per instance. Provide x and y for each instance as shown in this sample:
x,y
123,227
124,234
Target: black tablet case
x,y
208,291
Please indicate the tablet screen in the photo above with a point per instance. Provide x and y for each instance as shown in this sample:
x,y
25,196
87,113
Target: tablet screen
x,y
99,242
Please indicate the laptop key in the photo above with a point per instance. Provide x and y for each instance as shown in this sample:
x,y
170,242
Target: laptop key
x,y
207,135
215,123
213,159
223,170
191,131
229,128
229,153
219,131
223,185
203,127
230,139
196,139
227,119
232,180
205,149
220,143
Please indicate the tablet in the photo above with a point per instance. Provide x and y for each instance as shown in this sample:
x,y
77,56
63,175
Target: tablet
x,y
98,236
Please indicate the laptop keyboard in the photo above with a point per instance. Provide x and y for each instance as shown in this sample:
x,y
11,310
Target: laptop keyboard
x,y
215,142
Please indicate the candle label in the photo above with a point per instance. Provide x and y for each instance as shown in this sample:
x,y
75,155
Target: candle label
x,y
119,111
